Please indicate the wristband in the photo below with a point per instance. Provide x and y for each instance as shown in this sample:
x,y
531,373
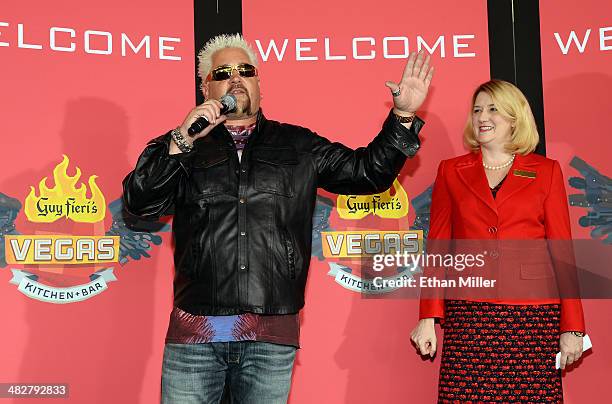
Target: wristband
x,y
180,141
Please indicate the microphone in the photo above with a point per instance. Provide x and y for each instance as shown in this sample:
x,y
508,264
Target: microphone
x,y
229,105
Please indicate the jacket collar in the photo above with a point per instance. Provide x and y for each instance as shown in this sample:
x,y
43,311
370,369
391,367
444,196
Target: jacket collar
x,y
221,134
261,120
472,173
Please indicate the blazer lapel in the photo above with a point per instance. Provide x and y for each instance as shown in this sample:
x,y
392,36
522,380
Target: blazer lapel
x,y
521,174
473,176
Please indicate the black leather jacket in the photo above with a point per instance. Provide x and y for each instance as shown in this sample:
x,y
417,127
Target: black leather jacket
x,y
242,230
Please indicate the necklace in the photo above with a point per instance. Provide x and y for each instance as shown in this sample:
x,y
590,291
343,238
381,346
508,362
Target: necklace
x,y
506,164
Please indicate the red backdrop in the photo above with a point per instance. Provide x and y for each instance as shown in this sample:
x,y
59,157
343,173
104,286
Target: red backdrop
x,y
576,67
100,109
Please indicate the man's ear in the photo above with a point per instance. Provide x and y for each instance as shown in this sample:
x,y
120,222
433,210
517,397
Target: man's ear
x,y
260,93
204,89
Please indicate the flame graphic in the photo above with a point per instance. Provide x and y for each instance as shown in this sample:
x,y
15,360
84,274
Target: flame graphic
x,y
383,205
65,199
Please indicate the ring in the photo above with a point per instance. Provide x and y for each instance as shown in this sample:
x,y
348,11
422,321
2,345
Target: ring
x,y
396,93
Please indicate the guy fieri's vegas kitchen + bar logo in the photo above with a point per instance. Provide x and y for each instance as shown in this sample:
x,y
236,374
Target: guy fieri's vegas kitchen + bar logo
x,y
66,199
357,247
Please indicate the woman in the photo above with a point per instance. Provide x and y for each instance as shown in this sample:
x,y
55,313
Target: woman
x,y
500,350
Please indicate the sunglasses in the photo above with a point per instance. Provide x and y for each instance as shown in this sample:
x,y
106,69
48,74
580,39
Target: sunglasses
x,y
225,72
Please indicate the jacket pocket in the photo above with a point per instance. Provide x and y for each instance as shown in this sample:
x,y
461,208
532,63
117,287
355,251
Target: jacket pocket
x,y
273,170
289,253
210,174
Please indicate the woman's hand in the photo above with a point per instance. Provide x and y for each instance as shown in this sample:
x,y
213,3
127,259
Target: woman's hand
x,y
571,348
424,336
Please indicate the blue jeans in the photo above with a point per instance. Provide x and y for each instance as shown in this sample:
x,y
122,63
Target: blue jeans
x,y
255,372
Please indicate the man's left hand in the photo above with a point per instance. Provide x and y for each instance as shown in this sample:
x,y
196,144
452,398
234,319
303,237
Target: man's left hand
x,y
414,84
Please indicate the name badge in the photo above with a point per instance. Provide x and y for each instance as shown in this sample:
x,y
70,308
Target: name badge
x,y
523,173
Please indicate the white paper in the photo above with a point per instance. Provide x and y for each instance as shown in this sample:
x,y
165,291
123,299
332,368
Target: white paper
x,y
586,345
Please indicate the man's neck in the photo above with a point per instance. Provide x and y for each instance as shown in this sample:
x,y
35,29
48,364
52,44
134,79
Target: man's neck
x,y
241,121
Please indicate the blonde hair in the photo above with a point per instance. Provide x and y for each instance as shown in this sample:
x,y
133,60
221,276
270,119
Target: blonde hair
x,y
218,43
511,104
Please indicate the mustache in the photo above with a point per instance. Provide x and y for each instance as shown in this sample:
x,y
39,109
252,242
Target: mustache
x,y
237,87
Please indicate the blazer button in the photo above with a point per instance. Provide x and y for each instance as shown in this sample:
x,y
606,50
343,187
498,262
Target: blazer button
x,y
243,267
242,200
492,229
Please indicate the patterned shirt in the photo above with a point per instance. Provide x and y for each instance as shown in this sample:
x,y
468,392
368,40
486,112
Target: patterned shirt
x,y
187,328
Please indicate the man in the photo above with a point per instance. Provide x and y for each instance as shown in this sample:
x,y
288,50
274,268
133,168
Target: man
x,y
242,192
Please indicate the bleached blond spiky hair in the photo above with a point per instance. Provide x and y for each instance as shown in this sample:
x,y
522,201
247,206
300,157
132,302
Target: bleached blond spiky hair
x,y
221,42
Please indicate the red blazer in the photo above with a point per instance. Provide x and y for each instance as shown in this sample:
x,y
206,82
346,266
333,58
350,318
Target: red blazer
x,y
531,204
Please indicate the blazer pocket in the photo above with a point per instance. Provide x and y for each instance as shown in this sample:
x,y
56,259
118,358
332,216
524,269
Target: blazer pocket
x,y
536,271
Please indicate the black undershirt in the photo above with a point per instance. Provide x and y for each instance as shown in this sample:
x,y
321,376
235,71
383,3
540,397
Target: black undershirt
x,y
495,189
